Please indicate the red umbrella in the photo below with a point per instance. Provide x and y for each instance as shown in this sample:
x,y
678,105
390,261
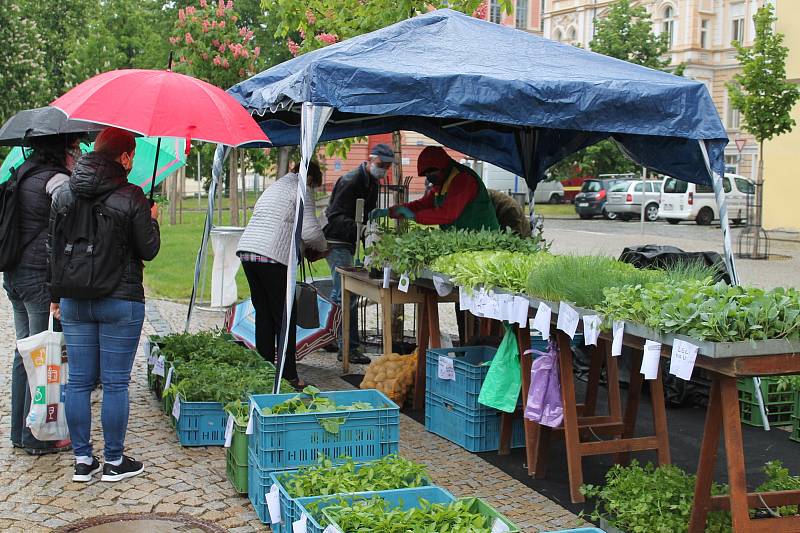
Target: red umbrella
x,y
162,103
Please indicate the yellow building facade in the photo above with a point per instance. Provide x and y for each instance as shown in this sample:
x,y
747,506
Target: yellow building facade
x,y
782,154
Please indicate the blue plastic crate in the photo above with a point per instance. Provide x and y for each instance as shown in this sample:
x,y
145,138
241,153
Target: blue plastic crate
x,y
473,431
258,483
289,509
404,498
285,441
201,424
468,364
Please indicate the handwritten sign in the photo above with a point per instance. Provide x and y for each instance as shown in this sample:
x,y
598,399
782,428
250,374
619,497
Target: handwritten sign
x,y
274,504
229,431
158,368
446,369
651,359
542,320
568,319
591,329
681,363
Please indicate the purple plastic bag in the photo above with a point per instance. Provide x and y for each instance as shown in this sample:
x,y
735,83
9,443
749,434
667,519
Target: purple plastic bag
x,y
544,396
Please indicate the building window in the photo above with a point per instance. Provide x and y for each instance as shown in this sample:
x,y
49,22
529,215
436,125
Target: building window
x,y
557,35
521,14
731,164
704,33
495,11
668,26
737,29
571,36
732,116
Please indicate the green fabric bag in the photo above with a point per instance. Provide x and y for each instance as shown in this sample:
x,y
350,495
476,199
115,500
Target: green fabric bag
x,y
504,380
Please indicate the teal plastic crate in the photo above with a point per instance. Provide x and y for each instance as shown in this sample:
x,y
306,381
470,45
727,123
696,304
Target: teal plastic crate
x,y
473,431
579,530
201,424
403,498
289,508
286,441
258,483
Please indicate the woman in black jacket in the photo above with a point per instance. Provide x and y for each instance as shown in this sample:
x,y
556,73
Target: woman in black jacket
x,y
102,334
45,170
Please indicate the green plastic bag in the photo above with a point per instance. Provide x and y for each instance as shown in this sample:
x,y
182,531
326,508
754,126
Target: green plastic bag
x,y
504,380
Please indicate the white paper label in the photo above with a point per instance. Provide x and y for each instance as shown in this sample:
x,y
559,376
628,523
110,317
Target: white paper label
x,y
591,329
542,320
331,529
520,314
681,363
274,504
619,331
404,283
443,287
387,276
249,429
498,526
650,359
300,526
168,381
176,408
158,368
229,431
446,369
568,319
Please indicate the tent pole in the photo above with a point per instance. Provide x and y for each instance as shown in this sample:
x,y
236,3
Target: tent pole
x,y
312,122
641,208
216,172
722,206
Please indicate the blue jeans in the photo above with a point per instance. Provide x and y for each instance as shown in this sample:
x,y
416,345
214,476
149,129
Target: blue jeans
x,y
101,336
341,256
30,302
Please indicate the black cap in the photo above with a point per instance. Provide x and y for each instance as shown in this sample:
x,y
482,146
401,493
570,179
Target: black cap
x,y
384,152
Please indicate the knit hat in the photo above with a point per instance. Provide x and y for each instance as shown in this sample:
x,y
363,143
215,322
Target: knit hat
x,y
432,158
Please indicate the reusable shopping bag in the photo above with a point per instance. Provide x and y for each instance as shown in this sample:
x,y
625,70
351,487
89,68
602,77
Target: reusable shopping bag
x,y
45,358
503,382
544,395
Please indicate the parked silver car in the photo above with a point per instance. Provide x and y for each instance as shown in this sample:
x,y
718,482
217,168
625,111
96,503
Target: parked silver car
x,y
625,199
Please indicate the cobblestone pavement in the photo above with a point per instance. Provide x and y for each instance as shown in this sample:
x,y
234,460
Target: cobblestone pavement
x,y
37,494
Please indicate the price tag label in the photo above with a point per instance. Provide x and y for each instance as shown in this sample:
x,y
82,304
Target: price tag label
x,y
249,429
442,286
300,526
176,408
168,381
158,367
542,320
651,359
591,329
387,276
274,504
498,526
520,314
568,319
681,363
618,330
229,431
404,283
446,369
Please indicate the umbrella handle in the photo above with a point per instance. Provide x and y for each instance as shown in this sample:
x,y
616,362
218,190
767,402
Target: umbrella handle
x,y
155,171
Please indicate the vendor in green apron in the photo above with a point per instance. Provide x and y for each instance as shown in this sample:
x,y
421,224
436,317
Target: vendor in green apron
x,y
457,198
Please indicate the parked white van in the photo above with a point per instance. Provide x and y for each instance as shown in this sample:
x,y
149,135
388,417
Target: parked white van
x,y
681,200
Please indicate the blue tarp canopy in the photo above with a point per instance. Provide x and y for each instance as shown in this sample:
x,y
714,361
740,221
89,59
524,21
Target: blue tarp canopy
x,y
495,93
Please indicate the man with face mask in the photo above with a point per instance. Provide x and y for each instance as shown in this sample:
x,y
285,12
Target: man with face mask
x,y
456,199
341,231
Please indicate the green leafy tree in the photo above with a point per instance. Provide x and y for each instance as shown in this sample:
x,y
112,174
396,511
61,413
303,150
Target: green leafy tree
x,y
626,32
23,76
760,92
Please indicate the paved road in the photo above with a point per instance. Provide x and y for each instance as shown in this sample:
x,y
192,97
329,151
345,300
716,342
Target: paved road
x,y
607,237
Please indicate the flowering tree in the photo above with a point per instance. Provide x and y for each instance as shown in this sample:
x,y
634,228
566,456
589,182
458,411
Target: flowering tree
x,y
212,45
23,75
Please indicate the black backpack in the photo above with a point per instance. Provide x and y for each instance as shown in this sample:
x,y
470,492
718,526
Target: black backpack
x,y
11,246
88,250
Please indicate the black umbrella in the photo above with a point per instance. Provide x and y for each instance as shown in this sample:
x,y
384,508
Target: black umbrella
x,y
40,122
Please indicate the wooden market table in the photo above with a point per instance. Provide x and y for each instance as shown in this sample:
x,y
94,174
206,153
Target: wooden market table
x,y
357,282
724,362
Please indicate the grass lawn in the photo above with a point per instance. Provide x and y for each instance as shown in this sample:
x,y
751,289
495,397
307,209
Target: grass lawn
x,y
171,273
559,210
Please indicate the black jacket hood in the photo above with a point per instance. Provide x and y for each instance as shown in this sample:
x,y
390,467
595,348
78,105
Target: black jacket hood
x,y
96,174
